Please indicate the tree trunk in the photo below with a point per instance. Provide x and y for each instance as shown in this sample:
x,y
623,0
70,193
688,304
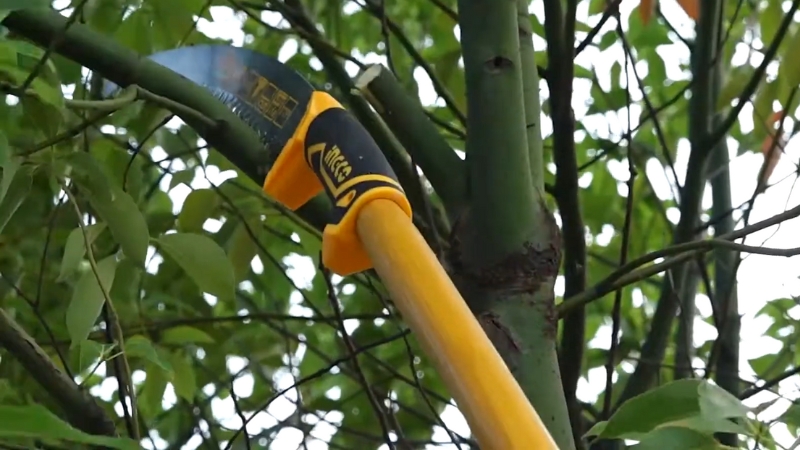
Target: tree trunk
x,y
505,246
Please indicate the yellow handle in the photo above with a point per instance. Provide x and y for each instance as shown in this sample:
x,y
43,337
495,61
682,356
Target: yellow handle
x,y
500,416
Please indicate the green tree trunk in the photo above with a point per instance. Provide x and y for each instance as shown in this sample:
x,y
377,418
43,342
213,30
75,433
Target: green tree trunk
x,y
505,247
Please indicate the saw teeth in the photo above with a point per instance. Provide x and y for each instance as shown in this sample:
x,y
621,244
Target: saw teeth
x,y
249,116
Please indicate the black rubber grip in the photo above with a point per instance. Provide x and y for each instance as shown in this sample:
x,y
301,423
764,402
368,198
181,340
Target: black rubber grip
x,y
346,159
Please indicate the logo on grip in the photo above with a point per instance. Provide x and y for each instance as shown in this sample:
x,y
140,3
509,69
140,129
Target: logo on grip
x,y
334,169
337,164
338,175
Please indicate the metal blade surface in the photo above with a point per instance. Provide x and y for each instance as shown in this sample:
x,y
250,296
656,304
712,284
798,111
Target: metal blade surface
x,y
266,94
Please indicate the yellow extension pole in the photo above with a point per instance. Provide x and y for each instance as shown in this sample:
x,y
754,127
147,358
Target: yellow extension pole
x,y
497,410
371,227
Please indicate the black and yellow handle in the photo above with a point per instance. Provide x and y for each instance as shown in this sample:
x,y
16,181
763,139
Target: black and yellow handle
x,y
331,151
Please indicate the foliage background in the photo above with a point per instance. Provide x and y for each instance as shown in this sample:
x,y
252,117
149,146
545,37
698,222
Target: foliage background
x,y
202,364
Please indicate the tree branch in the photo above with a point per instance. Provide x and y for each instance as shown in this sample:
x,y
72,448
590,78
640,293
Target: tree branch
x,y
407,120
702,109
560,33
726,263
627,273
725,296
80,409
530,91
438,86
503,201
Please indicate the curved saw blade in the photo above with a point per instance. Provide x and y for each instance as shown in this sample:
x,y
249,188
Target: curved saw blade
x,y
266,94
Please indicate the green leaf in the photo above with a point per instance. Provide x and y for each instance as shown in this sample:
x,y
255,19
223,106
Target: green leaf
x,y
676,438
203,260
583,72
8,6
607,39
644,36
616,74
792,416
182,177
153,390
216,158
122,171
43,101
126,222
135,31
197,207
36,422
771,363
597,429
7,393
690,404
184,381
15,188
29,58
89,352
75,248
113,205
597,7
173,19
140,347
643,413
716,402
84,169
770,19
707,424
10,168
5,151
789,70
88,299
736,80
18,60
762,108
104,17
241,251
603,102
185,335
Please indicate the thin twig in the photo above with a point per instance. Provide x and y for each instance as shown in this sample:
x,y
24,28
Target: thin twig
x,y
616,310
318,374
351,349
51,47
114,324
628,274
